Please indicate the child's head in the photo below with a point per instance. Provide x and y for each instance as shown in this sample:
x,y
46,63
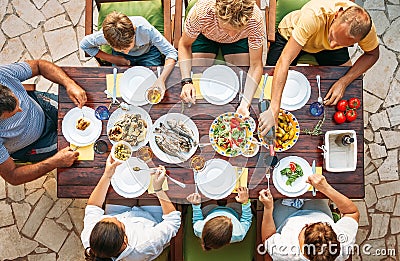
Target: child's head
x,y
217,232
107,239
118,31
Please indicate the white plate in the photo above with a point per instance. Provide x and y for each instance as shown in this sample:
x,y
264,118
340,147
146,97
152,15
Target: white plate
x,y
134,83
217,180
297,91
79,137
158,152
119,113
299,186
125,184
219,84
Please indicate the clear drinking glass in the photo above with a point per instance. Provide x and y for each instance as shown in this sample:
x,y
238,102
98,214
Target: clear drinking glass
x,y
197,163
145,153
153,95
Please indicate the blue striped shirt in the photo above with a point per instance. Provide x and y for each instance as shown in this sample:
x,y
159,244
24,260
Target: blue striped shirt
x,y
146,36
24,127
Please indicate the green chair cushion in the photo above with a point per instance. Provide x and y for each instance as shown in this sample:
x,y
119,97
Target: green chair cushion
x,y
151,10
283,7
241,251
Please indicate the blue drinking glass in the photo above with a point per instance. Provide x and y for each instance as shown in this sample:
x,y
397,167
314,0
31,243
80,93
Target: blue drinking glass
x,y
102,113
316,108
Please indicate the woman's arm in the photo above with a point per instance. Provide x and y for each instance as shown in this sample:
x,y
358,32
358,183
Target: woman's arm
x,y
165,202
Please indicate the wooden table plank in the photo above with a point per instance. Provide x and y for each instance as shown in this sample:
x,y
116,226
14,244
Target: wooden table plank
x,y
80,179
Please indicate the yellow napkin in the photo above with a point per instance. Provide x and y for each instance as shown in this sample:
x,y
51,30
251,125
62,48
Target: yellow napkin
x,y
150,190
318,170
267,90
196,83
85,153
110,83
242,182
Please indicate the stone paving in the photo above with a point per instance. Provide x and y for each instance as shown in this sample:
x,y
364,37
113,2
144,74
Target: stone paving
x,y
36,225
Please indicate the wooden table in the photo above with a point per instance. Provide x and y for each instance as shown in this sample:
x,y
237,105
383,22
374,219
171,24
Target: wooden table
x,y
79,180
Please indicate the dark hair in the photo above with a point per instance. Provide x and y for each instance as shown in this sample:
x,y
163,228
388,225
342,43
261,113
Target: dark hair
x,y
359,20
217,232
105,241
8,102
321,242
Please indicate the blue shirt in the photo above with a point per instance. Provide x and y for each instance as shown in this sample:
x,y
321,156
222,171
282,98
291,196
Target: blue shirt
x,y
146,36
240,227
24,127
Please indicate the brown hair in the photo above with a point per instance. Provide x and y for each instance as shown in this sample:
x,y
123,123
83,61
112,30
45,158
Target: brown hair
x,y
118,30
217,232
236,13
359,20
320,242
105,241
8,102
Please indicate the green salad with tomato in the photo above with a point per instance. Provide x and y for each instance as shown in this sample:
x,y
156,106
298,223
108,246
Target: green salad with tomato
x,y
230,134
293,172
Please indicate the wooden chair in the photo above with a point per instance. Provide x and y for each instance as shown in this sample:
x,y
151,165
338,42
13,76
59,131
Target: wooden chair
x,y
170,25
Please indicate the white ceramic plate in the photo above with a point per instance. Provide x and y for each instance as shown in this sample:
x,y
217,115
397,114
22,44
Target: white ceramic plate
x,y
219,84
166,157
299,186
119,114
125,184
297,91
134,83
217,180
79,137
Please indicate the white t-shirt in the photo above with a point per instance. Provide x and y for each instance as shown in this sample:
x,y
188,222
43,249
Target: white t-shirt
x,y
284,245
146,238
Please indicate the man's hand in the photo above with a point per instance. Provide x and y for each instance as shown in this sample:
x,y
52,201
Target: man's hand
x,y
120,61
65,157
319,182
266,198
243,110
76,94
243,195
335,93
159,178
194,198
188,93
111,165
266,121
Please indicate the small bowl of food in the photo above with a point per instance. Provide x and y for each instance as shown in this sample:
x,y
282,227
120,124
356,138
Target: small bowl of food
x,y
121,151
253,149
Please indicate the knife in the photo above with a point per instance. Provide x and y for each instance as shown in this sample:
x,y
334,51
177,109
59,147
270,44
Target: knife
x,y
241,85
314,193
114,94
260,100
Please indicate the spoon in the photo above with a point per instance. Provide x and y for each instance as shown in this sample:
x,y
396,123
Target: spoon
x,y
180,184
319,89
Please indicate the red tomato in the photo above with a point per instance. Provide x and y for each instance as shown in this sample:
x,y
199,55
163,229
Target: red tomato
x,y
339,117
351,115
341,105
354,103
234,123
292,166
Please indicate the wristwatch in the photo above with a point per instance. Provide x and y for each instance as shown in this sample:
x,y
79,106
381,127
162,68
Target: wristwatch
x,y
185,81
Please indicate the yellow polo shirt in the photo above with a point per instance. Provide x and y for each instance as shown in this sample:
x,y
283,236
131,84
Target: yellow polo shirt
x,y
309,26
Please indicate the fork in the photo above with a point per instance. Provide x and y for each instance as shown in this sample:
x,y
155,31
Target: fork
x,y
180,184
268,176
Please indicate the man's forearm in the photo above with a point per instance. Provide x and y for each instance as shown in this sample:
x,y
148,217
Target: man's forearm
x,y
52,72
268,225
278,83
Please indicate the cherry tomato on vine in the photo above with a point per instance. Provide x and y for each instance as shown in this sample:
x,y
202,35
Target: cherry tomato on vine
x,y
339,117
351,115
354,103
342,105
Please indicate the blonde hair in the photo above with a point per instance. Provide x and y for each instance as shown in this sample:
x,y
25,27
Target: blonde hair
x,y
236,13
118,30
358,19
216,233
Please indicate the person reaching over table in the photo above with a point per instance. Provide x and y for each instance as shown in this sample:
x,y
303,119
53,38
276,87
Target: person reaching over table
x,y
309,233
134,41
324,29
128,233
222,225
235,26
28,121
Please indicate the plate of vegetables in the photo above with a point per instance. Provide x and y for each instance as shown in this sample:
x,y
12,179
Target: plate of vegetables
x,y
287,132
230,134
290,176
